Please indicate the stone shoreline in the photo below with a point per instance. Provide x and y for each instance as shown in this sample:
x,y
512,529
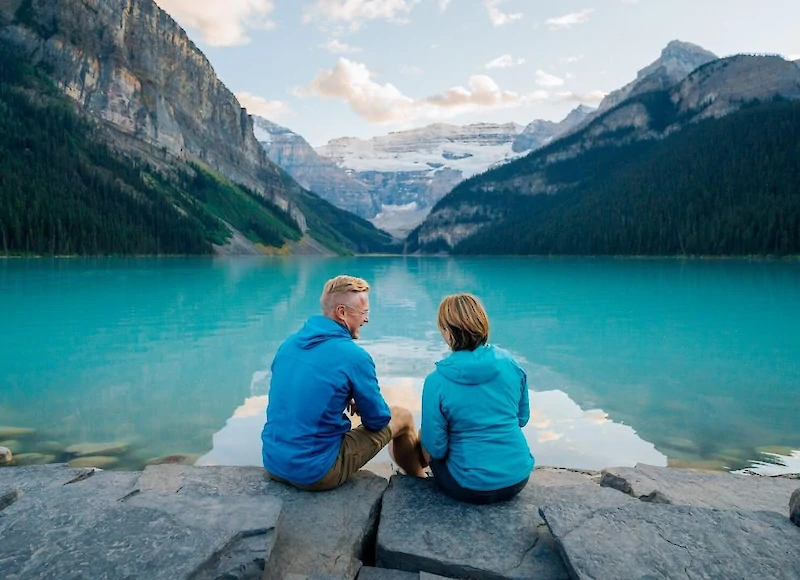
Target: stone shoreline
x,y
202,523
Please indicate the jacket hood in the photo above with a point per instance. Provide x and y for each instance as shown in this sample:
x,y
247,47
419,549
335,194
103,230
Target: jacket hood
x,y
470,367
318,329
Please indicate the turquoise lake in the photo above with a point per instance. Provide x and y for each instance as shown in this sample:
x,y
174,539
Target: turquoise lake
x,y
694,363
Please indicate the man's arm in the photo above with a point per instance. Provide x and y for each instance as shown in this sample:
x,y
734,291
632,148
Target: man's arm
x,y
434,424
369,403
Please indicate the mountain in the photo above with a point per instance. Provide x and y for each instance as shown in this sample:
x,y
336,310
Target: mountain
x,y
154,98
539,133
394,180
419,166
316,173
677,61
583,172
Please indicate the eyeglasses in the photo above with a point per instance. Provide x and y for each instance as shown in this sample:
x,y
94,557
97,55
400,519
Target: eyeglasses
x,y
364,313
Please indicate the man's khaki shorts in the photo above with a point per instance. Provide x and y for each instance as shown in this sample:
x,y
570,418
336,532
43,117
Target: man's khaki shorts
x,y
359,445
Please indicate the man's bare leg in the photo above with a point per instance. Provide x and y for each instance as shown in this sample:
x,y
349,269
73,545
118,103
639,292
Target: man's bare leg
x,y
404,447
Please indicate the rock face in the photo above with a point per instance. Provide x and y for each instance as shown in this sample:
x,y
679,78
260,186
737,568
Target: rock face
x,y
642,540
99,526
677,61
701,489
130,64
507,540
794,507
313,171
323,534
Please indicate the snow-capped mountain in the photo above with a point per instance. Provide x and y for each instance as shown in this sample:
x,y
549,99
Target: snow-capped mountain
x,y
468,149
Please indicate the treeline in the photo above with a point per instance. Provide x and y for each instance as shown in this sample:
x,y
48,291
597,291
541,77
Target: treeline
x,y
728,186
64,192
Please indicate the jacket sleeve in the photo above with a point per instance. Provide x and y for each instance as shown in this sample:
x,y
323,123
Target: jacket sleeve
x,y
434,424
524,412
374,411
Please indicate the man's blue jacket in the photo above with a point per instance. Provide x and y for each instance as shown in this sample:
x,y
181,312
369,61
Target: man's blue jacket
x,y
315,373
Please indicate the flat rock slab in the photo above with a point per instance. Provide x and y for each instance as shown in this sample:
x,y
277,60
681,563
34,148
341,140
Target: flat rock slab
x,y
642,540
34,479
99,526
323,535
701,489
422,530
794,507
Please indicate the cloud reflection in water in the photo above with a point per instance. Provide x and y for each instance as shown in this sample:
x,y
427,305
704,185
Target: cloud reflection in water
x,y
559,433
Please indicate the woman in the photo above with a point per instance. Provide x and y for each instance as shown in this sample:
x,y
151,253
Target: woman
x,y
474,406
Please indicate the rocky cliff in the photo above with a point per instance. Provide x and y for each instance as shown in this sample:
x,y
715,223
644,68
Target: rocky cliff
x,y
313,171
127,62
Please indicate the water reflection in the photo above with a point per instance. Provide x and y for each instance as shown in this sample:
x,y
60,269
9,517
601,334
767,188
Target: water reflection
x,y
559,433
701,359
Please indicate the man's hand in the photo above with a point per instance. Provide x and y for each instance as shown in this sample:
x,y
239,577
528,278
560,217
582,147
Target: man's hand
x,y
352,408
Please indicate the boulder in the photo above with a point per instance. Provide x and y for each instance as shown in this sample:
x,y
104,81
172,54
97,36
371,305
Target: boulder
x,y
5,456
7,432
180,458
97,461
422,530
97,449
12,445
33,459
701,489
99,526
794,507
324,534
641,540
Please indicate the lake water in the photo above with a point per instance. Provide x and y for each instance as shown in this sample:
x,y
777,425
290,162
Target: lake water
x,y
655,361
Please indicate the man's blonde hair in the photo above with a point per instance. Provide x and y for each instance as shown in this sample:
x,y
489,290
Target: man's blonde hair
x,y
337,289
463,322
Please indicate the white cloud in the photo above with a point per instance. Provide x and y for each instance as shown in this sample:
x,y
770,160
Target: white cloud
x,y
505,61
221,23
352,83
262,107
574,59
443,4
569,20
544,79
336,46
592,97
356,12
498,17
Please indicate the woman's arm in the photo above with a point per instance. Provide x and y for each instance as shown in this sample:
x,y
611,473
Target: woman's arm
x,y
524,412
434,424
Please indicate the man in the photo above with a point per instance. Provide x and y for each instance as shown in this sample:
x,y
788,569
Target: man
x,y
317,374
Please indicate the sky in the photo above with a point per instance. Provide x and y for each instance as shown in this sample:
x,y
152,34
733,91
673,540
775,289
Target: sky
x,y
362,68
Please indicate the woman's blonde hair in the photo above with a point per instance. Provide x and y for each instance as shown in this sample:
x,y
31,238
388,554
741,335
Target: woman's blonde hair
x,y
337,289
463,322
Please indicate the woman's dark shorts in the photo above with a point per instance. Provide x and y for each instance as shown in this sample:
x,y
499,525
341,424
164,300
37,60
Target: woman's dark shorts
x,y
444,480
